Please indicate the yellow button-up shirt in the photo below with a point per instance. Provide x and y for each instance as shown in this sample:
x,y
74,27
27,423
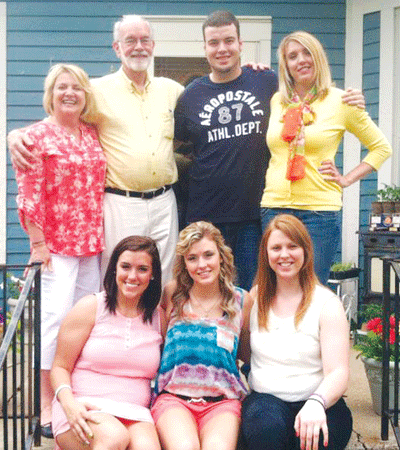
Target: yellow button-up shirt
x,y
136,130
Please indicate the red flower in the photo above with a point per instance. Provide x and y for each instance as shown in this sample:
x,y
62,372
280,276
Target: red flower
x,y
391,336
375,325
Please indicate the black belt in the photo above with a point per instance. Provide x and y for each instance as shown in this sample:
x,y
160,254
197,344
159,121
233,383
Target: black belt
x,y
142,195
197,399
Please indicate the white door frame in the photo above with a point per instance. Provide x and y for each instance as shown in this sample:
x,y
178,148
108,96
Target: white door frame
x,y
355,12
182,36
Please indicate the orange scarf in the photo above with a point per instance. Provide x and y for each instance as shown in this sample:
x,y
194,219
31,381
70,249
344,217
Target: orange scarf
x,y
297,116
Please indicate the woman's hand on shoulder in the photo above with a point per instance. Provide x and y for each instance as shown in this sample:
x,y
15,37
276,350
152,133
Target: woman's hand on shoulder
x,y
354,97
256,66
309,422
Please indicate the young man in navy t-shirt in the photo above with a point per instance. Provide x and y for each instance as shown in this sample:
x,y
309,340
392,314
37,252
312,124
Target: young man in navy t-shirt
x,y
225,115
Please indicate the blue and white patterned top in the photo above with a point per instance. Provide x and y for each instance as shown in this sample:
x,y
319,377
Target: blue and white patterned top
x,y
199,357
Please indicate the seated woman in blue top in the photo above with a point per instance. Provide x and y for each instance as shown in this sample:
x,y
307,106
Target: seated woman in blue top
x,y
199,386
299,349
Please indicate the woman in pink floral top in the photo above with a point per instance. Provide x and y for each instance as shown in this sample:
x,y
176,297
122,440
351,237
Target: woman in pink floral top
x,y
60,205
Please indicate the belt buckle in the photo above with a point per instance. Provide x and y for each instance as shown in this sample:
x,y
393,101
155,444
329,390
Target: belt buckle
x,y
127,193
197,400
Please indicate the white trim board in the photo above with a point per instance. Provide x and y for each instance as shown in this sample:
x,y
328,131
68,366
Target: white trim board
x,y
182,36
355,12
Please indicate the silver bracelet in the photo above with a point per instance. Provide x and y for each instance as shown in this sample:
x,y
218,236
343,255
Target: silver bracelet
x,y
60,388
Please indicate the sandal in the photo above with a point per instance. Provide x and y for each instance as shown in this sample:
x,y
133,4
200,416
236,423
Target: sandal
x,y
46,431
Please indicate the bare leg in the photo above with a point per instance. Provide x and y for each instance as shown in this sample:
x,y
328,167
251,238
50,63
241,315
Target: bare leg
x,y
220,432
46,397
143,436
177,430
109,434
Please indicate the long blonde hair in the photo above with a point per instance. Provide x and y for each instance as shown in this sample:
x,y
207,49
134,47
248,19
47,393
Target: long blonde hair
x,y
323,78
187,237
295,230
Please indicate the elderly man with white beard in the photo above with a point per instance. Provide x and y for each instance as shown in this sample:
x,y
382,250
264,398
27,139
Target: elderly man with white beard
x,y
134,115
135,120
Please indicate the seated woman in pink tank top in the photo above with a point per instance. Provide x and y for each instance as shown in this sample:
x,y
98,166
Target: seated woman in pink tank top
x,y
107,354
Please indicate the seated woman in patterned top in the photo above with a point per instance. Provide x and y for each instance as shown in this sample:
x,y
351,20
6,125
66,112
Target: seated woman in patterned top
x,y
199,386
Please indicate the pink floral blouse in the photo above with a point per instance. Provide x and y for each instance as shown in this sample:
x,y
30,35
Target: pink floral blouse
x,y
63,192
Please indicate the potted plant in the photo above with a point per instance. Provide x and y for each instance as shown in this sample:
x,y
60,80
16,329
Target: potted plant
x,y
342,271
388,200
396,198
370,345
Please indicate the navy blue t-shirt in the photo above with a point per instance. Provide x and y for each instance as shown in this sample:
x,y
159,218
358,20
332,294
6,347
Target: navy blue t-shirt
x,y
227,124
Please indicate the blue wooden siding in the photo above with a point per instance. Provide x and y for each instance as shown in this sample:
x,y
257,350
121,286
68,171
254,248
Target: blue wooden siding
x,y
370,86
42,33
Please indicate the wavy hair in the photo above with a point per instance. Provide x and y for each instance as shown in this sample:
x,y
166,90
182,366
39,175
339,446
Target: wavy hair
x,y
323,78
151,296
187,237
81,77
265,279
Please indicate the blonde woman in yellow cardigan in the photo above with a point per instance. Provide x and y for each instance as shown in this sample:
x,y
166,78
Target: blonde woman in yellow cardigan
x,y
307,123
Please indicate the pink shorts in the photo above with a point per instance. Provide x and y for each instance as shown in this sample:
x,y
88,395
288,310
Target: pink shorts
x,y
201,412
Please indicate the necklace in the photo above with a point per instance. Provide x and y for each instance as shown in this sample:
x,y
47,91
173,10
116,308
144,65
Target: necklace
x,y
205,311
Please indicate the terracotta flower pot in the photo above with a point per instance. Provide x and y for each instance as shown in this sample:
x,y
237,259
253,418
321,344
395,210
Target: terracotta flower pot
x,y
377,208
388,207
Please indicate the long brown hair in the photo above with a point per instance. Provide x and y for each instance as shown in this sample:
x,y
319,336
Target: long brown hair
x,y
187,237
151,296
295,230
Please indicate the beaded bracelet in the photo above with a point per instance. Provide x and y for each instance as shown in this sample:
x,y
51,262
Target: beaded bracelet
x,y
60,388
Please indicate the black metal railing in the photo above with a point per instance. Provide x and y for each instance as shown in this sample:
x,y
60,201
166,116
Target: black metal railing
x,y
390,412
20,360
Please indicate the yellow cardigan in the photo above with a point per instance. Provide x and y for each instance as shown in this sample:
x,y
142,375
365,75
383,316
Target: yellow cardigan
x,y
322,139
